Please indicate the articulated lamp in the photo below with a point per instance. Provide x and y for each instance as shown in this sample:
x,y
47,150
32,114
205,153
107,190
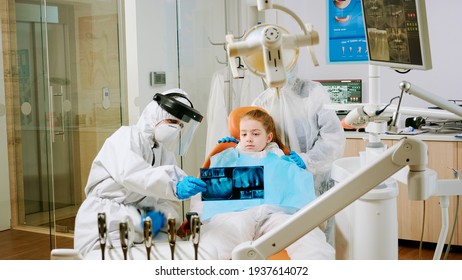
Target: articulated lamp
x,y
268,50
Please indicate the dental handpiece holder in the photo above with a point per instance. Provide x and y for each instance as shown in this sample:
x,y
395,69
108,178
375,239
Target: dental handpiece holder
x,y
102,230
195,230
123,230
171,223
147,228
166,246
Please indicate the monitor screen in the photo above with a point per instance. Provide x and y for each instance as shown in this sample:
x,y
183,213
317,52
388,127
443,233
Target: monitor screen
x,y
344,91
397,33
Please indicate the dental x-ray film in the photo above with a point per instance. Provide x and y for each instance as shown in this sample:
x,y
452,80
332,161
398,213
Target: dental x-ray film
x,y
228,183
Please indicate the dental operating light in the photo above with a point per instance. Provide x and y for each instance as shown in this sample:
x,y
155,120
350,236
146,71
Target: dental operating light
x,y
268,50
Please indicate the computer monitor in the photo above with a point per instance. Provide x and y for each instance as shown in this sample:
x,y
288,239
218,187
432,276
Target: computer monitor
x,y
397,34
344,91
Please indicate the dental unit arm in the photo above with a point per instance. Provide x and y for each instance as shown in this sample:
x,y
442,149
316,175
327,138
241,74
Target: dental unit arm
x,y
360,117
446,187
407,152
421,93
271,42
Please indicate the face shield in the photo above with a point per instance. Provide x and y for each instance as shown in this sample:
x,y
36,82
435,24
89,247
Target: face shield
x,y
173,104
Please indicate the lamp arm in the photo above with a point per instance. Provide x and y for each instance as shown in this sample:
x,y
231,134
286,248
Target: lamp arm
x,y
408,151
294,16
431,98
310,36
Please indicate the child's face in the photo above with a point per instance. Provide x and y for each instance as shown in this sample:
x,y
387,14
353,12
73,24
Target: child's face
x,y
253,135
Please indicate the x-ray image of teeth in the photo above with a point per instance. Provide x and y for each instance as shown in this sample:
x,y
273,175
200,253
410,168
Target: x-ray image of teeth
x,y
378,44
388,38
394,15
227,183
398,45
374,13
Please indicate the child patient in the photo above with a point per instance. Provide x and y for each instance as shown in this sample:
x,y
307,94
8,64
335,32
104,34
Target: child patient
x,y
287,188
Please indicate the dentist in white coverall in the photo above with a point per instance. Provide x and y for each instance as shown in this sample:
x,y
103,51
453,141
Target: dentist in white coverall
x,y
134,175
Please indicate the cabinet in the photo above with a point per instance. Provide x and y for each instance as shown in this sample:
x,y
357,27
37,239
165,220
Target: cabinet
x,y
444,156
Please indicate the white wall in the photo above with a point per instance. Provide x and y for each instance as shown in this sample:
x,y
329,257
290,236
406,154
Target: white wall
x,y
152,46
445,44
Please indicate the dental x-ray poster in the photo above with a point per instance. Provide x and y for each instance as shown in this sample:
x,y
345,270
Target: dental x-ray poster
x,y
230,183
347,38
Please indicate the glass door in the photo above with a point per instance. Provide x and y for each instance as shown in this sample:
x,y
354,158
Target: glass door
x,y
44,119
69,99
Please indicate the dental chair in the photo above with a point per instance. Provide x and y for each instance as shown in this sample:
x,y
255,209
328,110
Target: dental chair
x,y
234,119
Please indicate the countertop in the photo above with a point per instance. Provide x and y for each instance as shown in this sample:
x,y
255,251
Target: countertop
x,y
449,137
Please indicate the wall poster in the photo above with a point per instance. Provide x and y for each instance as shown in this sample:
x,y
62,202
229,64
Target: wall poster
x,y
346,35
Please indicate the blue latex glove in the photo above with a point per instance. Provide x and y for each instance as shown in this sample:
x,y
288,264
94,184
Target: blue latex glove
x,y
157,220
228,139
297,159
190,186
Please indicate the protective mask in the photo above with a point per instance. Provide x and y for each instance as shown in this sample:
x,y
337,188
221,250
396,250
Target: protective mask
x,y
164,132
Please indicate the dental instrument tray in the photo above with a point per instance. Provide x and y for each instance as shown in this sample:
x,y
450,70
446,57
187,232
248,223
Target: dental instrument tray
x,y
232,183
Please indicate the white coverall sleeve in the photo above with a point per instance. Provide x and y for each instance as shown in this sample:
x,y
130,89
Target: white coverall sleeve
x,y
329,143
126,160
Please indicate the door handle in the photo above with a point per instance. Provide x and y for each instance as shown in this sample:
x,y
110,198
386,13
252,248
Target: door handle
x,y
61,95
52,115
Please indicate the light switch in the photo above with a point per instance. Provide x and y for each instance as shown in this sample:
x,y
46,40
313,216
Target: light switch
x,y
157,78
106,100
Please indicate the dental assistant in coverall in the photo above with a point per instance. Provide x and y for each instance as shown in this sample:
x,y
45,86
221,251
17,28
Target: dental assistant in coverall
x,y
135,174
